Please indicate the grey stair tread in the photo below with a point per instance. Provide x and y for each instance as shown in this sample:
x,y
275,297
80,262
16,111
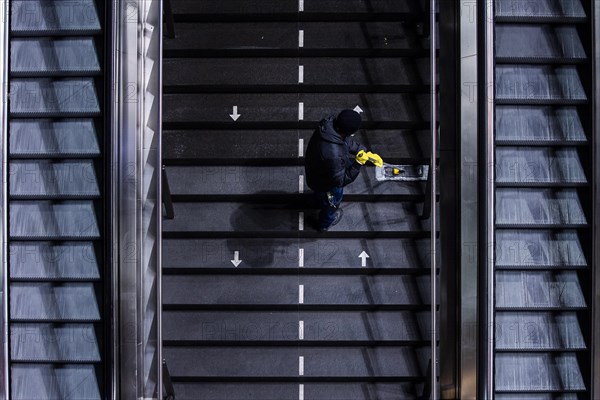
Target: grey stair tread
x,y
241,217
288,6
540,8
198,254
48,56
47,260
537,372
242,180
253,144
270,107
284,290
46,17
538,165
538,331
538,82
46,178
283,362
539,248
538,41
538,207
284,326
289,391
538,289
50,382
280,35
54,343
39,97
44,219
45,302
284,71
536,396
52,138
528,124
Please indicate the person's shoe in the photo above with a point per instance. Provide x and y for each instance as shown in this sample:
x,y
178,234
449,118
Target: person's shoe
x,y
338,216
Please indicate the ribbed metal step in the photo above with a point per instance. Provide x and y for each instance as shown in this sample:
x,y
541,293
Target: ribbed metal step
x,y
249,286
56,205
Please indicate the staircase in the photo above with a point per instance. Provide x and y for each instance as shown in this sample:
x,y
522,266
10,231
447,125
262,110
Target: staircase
x,y
543,199
256,304
56,199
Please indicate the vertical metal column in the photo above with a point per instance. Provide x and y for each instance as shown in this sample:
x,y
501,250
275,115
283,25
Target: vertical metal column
x,y
433,220
4,59
489,206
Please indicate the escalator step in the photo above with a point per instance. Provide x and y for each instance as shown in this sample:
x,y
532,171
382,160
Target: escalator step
x,y
538,83
50,220
269,364
330,256
249,217
53,57
206,145
270,107
529,125
541,165
54,17
56,98
527,372
49,382
266,72
536,396
540,10
285,391
538,207
54,343
53,179
53,138
538,290
538,331
53,261
217,291
538,249
53,302
206,328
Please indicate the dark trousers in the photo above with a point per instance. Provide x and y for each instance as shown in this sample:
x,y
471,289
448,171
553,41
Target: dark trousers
x,y
329,203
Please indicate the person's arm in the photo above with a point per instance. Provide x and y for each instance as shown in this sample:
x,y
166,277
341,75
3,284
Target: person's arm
x,y
342,175
353,146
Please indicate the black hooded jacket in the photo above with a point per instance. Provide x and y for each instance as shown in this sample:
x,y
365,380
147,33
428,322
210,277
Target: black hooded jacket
x,y
327,161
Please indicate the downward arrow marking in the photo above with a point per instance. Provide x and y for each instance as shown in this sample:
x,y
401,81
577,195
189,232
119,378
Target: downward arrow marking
x,y
236,258
235,114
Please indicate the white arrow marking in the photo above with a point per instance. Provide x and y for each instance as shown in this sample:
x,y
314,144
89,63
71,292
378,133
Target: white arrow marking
x,y
358,109
301,392
235,114
236,258
301,330
301,365
363,256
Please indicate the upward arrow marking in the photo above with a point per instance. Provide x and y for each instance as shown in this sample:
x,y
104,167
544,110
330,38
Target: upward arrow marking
x,y
235,114
363,256
358,109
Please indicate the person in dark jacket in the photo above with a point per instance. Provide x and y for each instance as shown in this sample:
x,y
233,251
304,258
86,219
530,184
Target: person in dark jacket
x,y
333,160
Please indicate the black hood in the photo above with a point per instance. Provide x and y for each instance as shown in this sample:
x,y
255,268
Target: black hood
x,y
328,133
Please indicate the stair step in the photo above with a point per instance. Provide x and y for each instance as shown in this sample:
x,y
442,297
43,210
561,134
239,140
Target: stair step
x,y
248,217
266,72
334,290
271,364
261,108
197,255
540,10
209,328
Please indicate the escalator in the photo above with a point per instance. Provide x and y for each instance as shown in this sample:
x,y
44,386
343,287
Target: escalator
x,y
256,303
56,199
544,247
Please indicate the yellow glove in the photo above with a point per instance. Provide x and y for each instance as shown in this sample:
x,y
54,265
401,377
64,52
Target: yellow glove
x,y
362,157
